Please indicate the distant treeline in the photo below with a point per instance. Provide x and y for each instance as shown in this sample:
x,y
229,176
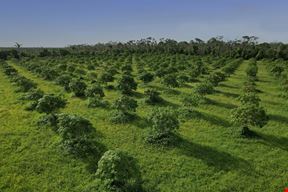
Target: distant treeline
x,y
245,48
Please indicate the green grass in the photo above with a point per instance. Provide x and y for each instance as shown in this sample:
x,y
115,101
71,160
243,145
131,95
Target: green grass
x,y
208,156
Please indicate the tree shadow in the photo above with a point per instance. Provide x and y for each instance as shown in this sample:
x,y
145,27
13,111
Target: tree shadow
x,y
212,119
166,90
279,118
263,81
140,122
137,95
227,94
273,141
212,157
93,156
273,102
228,86
166,103
186,85
220,104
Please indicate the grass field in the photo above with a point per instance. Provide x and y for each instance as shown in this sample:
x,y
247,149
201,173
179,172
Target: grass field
x,y
209,156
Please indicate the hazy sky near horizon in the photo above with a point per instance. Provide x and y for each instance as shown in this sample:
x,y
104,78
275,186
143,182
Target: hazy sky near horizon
x,y
56,23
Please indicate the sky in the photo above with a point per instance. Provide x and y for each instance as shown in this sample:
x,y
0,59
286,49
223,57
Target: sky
x,y
58,23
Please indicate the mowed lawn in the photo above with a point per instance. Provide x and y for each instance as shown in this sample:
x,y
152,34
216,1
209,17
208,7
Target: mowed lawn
x,y
209,155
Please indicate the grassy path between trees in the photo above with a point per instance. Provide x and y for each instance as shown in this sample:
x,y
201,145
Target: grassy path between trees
x,y
208,157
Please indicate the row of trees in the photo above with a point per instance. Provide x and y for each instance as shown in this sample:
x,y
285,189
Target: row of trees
x,y
116,171
43,103
247,47
23,84
279,70
250,112
211,81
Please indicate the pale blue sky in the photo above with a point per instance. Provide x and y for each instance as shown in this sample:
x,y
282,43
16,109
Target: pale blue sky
x,y
57,23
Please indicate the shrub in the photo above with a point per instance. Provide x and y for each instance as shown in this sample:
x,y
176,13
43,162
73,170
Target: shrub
x,y
182,78
249,86
33,95
91,67
80,71
231,67
125,103
92,75
126,84
249,115
9,71
50,103
24,84
123,107
186,113
62,67
120,117
164,122
78,87
216,78
48,120
249,98
146,77
170,80
73,126
31,106
160,72
278,69
71,68
94,90
126,68
117,171
193,99
152,96
82,147
64,81
112,70
106,77
204,88
252,70
97,102
48,73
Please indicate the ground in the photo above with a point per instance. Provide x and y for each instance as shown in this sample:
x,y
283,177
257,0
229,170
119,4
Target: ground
x,y
208,157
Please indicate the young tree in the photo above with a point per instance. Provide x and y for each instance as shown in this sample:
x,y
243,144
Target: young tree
x,y
146,77
252,70
72,126
64,81
153,97
164,122
123,110
249,98
193,100
78,87
117,171
76,136
97,101
126,84
204,88
106,77
94,90
125,103
33,95
23,83
216,78
50,103
249,115
170,80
